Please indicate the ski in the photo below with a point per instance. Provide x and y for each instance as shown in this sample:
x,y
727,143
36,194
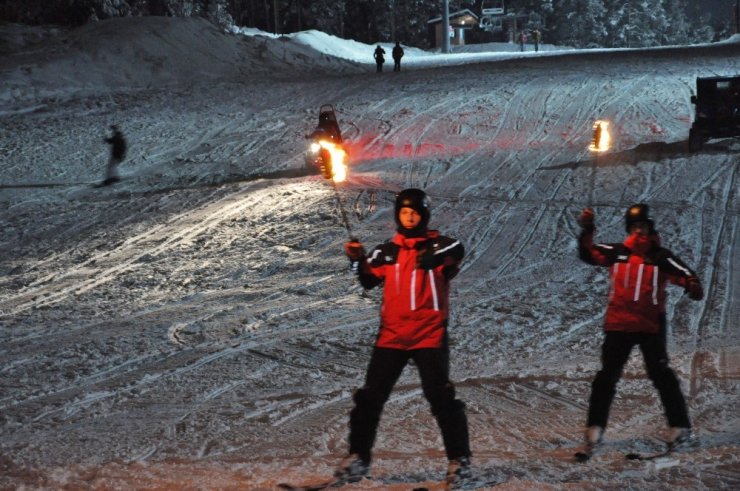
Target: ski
x,y
107,182
474,484
331,483
670,448
653,456
468,484
585,454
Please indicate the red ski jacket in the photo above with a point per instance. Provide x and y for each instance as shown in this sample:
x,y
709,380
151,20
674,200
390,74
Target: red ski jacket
x,y
416,274
637,294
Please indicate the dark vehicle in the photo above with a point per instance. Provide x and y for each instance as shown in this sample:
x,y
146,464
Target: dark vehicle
x,y
717,103
326,152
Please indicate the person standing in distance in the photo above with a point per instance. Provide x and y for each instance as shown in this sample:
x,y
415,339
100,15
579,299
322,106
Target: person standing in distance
x,y
397,54
379,55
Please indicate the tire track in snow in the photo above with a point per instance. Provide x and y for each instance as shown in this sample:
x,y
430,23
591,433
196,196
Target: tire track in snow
x,y
580,118
583,118
152,242
134,374
700,325
153,368
714,295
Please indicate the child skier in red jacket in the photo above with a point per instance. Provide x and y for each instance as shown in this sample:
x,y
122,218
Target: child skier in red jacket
x,y
415,267
635,315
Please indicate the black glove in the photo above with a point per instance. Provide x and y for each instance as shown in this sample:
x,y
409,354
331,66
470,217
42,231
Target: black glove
x,y
354,250
586,220
694,289
429,260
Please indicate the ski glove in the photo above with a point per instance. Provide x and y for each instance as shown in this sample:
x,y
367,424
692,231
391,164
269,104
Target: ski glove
x,y
429,260
586,220
354,250
694,289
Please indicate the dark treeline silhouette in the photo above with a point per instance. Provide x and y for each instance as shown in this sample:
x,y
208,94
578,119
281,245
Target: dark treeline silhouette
x,y
579,23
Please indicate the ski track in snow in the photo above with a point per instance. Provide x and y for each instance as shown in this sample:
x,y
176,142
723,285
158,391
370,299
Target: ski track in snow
x,y
197,324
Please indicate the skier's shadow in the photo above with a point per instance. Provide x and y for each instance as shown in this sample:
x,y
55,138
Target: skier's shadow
x,y
645,152
283,174
47,185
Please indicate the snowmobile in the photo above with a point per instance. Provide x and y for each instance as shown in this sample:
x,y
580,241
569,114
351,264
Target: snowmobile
x,y
326,152
717,102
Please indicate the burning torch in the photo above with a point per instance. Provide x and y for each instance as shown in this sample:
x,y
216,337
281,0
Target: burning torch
x,y
337,173
600,143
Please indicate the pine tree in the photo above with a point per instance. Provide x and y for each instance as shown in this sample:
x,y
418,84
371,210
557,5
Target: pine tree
x,y
581,23
678,25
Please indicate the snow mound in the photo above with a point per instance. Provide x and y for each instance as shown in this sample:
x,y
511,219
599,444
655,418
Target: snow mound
x,y
327,44
144,52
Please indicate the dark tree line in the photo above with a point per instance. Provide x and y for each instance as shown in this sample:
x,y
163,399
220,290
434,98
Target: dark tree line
x,y
579,23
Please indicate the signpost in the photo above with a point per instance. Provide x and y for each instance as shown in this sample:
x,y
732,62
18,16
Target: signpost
x,y
446,27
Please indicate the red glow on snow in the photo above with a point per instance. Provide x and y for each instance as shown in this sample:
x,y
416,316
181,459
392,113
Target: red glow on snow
x,y
371,147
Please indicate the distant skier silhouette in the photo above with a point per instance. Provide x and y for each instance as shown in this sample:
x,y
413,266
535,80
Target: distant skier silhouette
x,y
379,56
117,144
397,54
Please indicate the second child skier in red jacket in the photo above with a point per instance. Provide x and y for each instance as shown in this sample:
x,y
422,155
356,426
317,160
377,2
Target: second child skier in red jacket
x,y
636,315
415,268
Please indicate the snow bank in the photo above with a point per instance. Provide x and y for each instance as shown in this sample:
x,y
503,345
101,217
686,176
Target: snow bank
x,y
144,52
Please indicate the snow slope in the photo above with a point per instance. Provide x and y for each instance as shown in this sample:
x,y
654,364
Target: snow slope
x,y
195,326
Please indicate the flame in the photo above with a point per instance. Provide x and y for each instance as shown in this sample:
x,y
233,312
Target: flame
x,y
338,155
601,133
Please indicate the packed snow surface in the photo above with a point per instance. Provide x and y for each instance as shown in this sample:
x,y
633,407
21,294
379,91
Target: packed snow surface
x,y
195,326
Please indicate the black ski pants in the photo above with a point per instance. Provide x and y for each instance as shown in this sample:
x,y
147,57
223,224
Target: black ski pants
x,y
383,372
614,354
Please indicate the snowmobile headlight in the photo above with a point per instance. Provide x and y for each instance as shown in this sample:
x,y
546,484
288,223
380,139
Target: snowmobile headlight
x,y
315,147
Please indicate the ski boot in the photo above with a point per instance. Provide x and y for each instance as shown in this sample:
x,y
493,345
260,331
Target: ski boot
x,y
593,436
351,469
679,437
458,470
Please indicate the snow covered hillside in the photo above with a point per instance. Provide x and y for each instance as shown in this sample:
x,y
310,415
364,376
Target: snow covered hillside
x,y
195,326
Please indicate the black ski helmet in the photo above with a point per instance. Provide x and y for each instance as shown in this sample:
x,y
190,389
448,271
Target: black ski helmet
x,y
417,200
638,213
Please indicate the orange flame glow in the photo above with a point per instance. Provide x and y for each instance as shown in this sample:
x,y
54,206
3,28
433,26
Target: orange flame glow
x,y
601,140
338,164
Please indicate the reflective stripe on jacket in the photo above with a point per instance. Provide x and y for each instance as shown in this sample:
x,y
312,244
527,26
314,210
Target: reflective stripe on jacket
x,y
415,306
637,282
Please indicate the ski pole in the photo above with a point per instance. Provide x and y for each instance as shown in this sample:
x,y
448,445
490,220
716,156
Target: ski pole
x,y
347,226
592,181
